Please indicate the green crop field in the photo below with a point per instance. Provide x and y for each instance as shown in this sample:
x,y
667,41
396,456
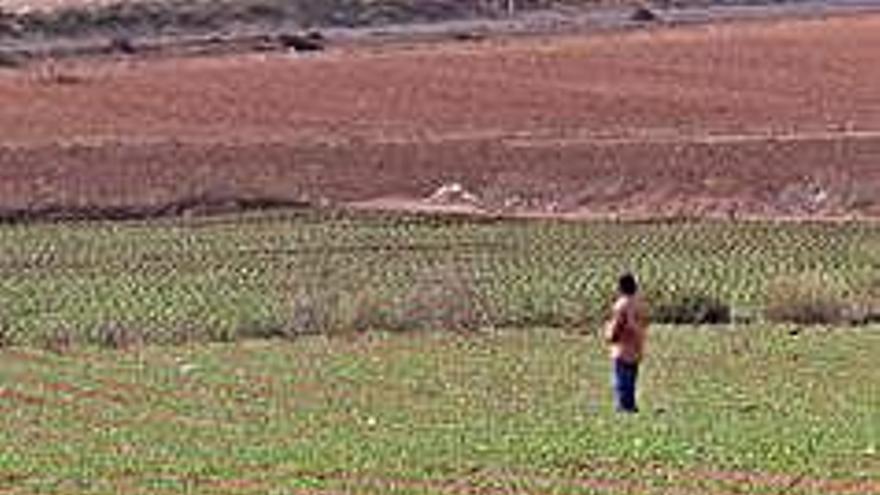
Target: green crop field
x,y
311,352
315,272
755,410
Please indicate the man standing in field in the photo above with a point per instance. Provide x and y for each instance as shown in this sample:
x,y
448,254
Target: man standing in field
x,y
625,334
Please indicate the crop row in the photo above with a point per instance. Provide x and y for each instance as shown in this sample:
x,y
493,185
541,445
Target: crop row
x,y
271,274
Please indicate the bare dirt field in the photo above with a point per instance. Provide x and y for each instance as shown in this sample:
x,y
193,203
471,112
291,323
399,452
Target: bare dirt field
x,y
760,118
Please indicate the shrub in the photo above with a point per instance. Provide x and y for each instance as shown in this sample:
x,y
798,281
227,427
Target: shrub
x,y
442,298
312,312
437,298
118,336
312,41
864,314
535,301
692,309
6,336
59,340
9,60
865,309
804,299
644,14
122,44
52,73
368,309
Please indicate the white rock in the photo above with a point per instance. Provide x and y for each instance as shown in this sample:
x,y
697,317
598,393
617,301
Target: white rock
x,y
452,193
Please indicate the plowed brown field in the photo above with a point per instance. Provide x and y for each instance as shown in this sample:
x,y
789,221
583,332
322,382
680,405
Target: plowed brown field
x,y
769,118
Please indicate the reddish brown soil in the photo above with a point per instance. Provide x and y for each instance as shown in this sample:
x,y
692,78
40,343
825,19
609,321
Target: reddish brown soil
x,y
771,118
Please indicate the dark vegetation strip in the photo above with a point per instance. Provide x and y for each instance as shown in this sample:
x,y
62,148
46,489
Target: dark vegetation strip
x,y
194,206
128,27
212,26
158,17
173,16
219,26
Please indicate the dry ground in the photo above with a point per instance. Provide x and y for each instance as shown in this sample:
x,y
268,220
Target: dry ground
x,y
765,118
49,4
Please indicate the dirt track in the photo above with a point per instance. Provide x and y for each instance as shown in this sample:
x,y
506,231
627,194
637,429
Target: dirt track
x,y
773,118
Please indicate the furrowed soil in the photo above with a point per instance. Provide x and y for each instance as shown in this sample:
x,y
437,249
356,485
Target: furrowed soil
x,y
741,119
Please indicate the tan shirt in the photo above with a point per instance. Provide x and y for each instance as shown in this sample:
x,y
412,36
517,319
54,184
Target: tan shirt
x,y
627,330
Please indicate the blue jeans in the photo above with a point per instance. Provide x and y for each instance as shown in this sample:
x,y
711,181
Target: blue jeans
x,y
625,377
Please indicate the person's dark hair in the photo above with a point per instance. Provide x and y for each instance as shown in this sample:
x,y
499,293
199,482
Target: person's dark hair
x,y
627,284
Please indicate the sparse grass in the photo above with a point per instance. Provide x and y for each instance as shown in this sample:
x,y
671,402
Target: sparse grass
x,y
690,309
752,411
270,274
806,298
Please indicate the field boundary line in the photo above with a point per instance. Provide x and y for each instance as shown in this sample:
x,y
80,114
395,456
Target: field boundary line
x,y
511,138
706,139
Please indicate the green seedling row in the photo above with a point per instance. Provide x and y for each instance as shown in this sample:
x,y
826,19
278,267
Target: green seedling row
x,y
301,272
